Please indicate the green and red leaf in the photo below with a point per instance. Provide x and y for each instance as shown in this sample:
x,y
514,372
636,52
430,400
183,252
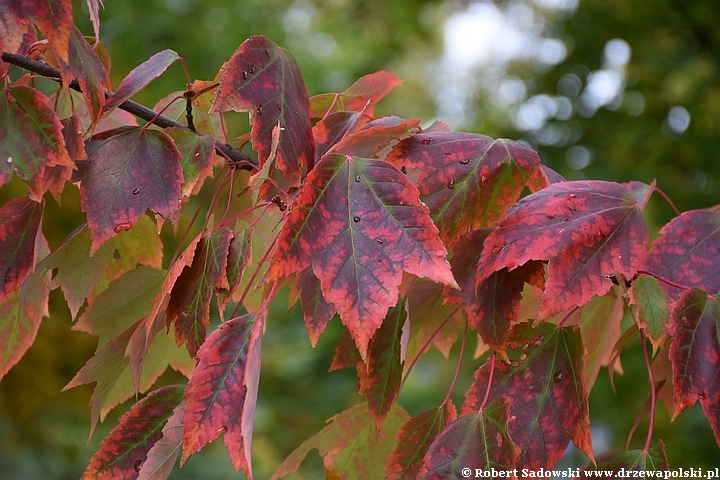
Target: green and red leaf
x,y
189,305
695,355
129,171
316,311
414,439
141,76
631,464
198,153
688,253
359,224
350,446
588,230
31,137
20,233
478,441
546,394
54,18
653,309
222,391
375,138
124,451
17,33
380,376
162,455
468,180
360,97
264,79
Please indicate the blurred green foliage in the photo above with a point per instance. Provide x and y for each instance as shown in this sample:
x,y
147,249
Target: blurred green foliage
x,y
675,62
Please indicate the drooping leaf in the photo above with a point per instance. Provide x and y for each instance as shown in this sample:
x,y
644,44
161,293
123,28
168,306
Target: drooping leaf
x,y
126,301
20,316
17,34
124,451
141,76
110,369
55,20
350,447
346,353
478,441
238,258
653,310
189,305
141,245
432,322
20,220
316,311
468,180
222,391
84,65
162,455
361,96
359,223
695,355
375,137
94,10
688,252
600,326
129,170
633,463
264,79
588,230
546,394
198,152
414,439
381,374
31,137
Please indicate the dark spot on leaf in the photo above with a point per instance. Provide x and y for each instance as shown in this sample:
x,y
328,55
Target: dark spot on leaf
x,y
426,141
119,227
451,184
258,110
557,378
403,169
245,75
138,465
252,68
279,107
550,217
357,178
136,190
465,161
379,241
267,53
356,219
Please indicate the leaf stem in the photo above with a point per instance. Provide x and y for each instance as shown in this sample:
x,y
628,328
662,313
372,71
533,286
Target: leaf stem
x,y
667,199
490,379
459,363
653,398
251,281
664,280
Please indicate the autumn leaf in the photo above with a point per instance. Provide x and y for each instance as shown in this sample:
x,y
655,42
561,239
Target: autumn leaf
x,y
376,137
380,376
189,305
20,232
31,137
205,122
222,391
467,180
653,310
129,170
316,311
331,129
54,19
478,441
94,11
17,34
546,394
695,355
264,79
124,451
359,224
350,447
141,76
361,96
588,230
84,65
631,463
198,153
162,455
238,258
414,439
688,252
20,316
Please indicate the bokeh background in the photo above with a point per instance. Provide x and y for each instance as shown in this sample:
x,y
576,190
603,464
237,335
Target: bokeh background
x,y
603,89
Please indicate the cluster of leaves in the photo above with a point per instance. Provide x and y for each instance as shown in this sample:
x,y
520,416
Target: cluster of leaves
x,y
338,206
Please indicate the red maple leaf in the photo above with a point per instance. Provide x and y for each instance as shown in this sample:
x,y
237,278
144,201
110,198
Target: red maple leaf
x,y
19,233
222,391
359,224
361,96
588,230
468,180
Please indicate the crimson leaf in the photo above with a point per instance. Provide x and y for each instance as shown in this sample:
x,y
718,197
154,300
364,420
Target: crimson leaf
x,y
264,79
141,76
129,170
588,230
477,441
468,180
361,96
359,224
222,391
695,355
123,452
546,394
19,233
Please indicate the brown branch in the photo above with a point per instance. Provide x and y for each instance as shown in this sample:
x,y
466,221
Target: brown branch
x,y
240,159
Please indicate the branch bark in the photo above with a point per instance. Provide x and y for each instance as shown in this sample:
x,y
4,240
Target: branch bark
x,y
241,160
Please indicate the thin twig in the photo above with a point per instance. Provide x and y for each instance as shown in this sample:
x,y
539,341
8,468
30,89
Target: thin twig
x,y
243,160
